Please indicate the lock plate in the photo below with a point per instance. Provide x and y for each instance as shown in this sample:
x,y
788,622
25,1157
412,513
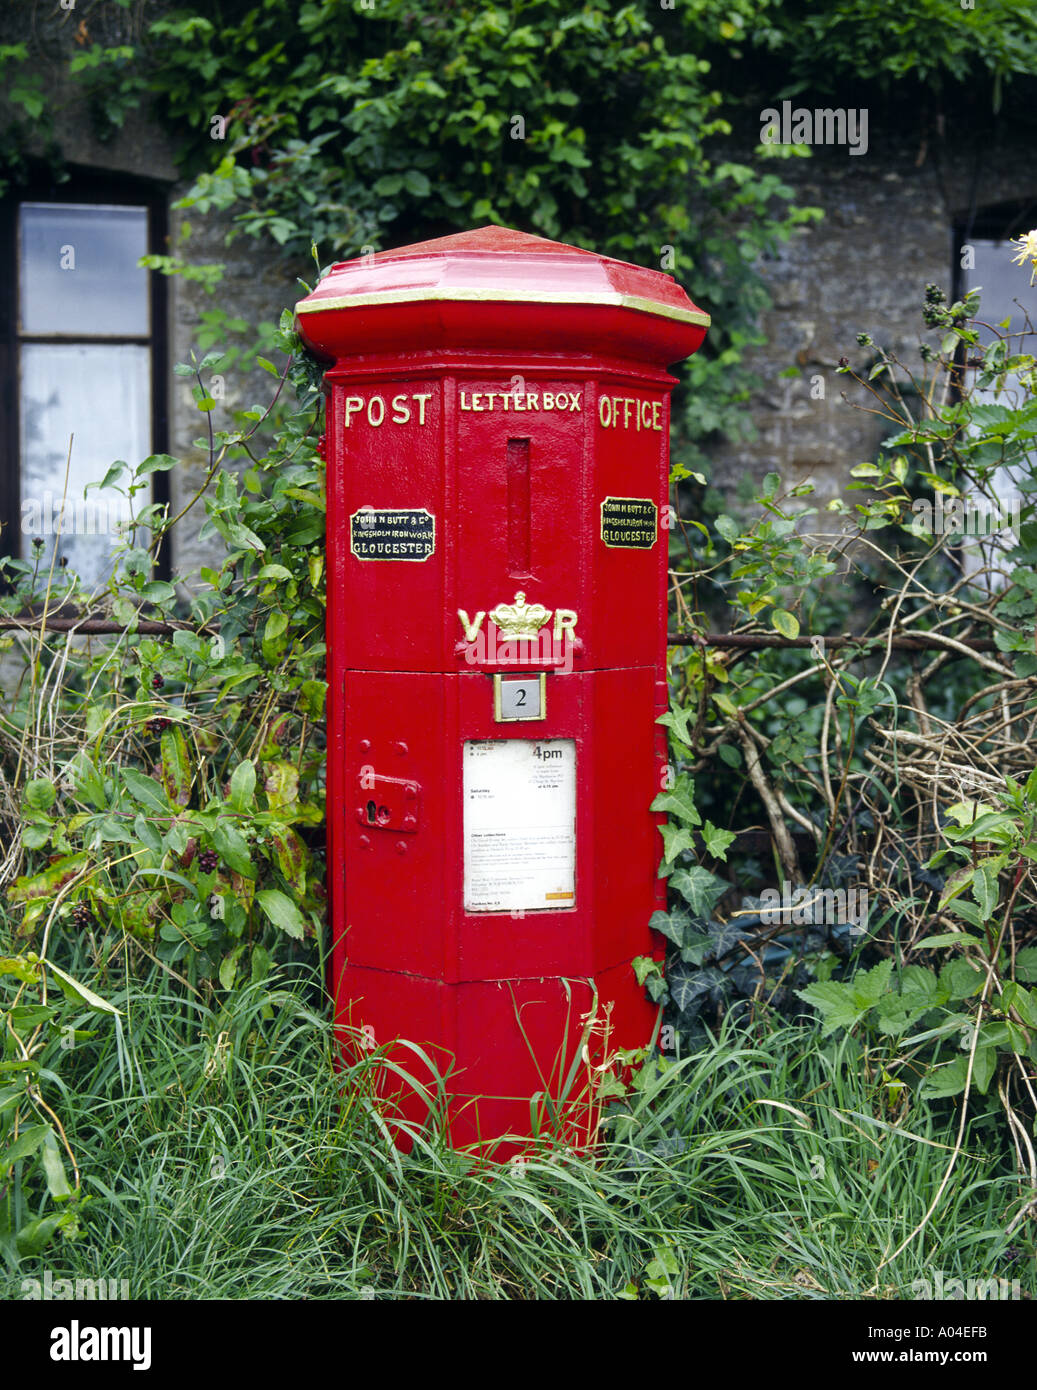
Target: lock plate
x,y
388,803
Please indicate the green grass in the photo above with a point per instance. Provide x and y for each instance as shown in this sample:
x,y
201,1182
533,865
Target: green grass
x,y
220,1163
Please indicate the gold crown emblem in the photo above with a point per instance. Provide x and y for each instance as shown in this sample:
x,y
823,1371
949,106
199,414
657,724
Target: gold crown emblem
x,y
520,619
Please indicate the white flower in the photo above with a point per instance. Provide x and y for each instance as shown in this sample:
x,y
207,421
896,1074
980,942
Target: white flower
x,y
1027,251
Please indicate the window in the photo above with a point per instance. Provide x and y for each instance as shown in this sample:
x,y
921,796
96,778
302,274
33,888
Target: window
x,y
983,243
83,338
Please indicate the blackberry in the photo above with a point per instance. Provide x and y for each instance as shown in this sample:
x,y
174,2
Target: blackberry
x,y
157,682
209,861
82,917
158,724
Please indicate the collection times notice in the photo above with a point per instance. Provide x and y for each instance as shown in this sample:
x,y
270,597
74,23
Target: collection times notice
x,y
519,824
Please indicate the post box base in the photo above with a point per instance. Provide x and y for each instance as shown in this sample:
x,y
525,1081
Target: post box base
x,y
513,1062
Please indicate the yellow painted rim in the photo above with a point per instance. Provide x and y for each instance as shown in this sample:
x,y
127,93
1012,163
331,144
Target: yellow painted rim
x,y
624,301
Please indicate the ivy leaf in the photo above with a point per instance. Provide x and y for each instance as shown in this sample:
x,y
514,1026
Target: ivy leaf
x,y
689,987
675,839
672,925
717,841
700,889
679,801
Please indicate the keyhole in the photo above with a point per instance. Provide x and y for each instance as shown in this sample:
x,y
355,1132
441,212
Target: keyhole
x,y
370,813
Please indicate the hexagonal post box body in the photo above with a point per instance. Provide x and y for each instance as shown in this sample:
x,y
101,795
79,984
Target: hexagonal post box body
x,y
497,453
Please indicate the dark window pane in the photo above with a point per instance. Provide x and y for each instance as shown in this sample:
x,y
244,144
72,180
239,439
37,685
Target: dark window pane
x,y
79,272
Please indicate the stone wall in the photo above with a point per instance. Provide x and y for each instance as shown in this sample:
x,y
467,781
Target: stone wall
x,y
888,230
257,284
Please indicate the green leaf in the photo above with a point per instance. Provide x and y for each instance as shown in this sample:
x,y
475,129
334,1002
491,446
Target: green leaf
x,y
869,987
54,1169
1026,964
947,938
676,839
679,801
243,786
156,463
717,841
961,980
785,623
700,889
232,847
835,1002
985,890
282,912
273,637
34,1235
25,1145
177,775
946,1080
80,993
145,791
40,793
670,924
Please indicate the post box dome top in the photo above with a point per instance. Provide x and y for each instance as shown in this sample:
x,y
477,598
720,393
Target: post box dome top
x,y
496,289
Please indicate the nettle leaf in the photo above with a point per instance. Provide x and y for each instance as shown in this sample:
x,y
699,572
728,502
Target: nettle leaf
x,y
986,890
700,889
960,979
869,987
835,1002
1026,964
25,1145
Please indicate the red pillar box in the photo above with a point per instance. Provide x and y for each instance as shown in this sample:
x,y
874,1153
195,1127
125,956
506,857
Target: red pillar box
x,y
497,451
